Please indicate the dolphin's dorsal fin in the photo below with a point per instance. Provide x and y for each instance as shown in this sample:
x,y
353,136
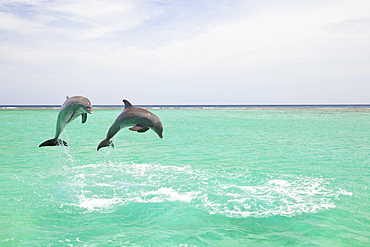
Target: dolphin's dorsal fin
x,y
127,103
70,117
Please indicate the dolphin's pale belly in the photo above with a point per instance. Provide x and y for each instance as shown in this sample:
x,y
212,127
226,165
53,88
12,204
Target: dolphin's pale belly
x,y
64,115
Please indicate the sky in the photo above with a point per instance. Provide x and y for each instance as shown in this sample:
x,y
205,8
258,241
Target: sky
x,y
185,51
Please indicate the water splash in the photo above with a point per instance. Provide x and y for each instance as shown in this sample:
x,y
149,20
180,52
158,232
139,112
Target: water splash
x,y
235,194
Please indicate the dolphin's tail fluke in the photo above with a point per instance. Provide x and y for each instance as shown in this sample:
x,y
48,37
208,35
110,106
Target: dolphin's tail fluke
x,y
53,142
105,143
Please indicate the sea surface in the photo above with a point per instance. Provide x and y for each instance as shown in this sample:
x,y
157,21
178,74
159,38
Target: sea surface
x,y
275,176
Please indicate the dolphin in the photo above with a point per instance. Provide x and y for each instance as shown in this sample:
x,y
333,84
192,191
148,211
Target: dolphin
x,y
141,120
72,108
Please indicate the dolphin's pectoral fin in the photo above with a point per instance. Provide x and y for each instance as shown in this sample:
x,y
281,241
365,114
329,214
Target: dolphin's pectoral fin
x,y
53,142
136,127
70,117
143,130
139,128
84,117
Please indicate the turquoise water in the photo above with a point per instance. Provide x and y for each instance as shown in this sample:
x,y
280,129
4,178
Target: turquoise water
x,y
219,177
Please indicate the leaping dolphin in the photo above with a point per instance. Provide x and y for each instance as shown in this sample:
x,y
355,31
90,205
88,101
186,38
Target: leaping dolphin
x,y
141,120
72,108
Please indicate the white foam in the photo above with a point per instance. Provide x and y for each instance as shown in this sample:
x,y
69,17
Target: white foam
x,y
104,185
8,239
344,192
234,194
285,197
279,182
94,166
93,204
167,194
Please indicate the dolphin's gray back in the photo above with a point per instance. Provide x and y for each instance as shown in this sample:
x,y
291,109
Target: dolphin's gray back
x,y
80,100
133,115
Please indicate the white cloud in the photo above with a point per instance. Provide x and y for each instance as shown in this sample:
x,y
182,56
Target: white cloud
x,y
77,20
91,10
12,23
259,41
300,49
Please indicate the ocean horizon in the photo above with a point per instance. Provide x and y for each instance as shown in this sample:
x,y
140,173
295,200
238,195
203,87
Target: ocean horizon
x,y
203,106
